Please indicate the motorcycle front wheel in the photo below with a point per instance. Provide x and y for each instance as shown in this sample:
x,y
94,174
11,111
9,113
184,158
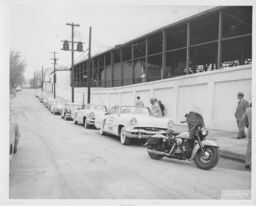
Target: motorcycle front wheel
x,y
208,159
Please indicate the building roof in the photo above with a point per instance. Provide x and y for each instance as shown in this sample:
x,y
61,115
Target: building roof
x,y
158,30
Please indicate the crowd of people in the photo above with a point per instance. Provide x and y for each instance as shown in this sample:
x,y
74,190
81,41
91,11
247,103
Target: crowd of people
x,y
157,107
212,66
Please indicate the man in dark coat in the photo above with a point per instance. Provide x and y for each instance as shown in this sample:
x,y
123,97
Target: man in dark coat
x,y
240,109
246,121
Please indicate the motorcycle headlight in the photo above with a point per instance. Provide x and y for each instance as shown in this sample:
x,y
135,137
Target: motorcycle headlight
x,y
204,131
133,121
170,125
91,114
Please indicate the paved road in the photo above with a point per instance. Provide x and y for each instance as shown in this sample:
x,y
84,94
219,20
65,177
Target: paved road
x,y
57,159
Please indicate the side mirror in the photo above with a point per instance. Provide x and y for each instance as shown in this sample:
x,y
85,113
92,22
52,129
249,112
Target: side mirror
x,y
106,113
186,115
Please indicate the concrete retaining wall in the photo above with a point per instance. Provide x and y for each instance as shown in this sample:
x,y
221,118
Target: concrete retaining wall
x,y
215,93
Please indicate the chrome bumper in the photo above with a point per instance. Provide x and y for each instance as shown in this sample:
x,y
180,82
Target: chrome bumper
x,y
141,133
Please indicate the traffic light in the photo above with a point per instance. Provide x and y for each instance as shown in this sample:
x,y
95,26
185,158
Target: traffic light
x,y
66,45
79,46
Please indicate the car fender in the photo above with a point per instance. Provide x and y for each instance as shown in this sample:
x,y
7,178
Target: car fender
x,y
204,143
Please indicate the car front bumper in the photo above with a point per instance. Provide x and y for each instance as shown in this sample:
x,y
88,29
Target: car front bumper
x,y
90,121
141,133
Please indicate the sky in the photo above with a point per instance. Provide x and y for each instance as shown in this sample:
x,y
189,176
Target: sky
x,y
38,27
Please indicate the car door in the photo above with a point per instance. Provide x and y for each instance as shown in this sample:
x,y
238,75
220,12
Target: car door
x,y
110,118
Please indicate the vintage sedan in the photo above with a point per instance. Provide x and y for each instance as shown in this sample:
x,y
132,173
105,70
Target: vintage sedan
x,y
56,108
69,109
49,101
131,122
87,115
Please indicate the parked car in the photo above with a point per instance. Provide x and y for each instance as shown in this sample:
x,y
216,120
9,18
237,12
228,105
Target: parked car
x,y
41,98
14,136
18,89
87,115
51,101
68,109
131,122
56,108
47,101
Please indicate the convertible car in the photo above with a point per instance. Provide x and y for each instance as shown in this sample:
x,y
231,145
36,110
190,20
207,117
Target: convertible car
x,y
129,122
87,115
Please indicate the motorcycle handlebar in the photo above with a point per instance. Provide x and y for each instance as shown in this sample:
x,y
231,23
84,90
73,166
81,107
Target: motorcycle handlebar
x,y
183,121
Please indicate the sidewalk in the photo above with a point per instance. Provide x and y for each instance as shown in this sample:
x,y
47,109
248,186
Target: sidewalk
x,y
229,146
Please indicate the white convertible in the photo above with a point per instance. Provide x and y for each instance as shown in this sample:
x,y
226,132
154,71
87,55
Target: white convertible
x,y
132,122
87,115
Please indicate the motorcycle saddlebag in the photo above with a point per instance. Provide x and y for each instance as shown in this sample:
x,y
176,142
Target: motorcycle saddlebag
x,y
154,141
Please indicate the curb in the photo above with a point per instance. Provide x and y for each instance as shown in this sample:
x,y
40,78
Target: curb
x,y
232,155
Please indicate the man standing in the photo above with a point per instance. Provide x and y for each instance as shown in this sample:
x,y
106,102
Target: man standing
x,y
240,109
139,102
155,110
246,121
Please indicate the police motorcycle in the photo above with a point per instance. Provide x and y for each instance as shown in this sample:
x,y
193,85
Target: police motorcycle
x,y
191,145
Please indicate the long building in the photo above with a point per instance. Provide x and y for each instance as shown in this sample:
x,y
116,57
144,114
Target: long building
x,y
212,37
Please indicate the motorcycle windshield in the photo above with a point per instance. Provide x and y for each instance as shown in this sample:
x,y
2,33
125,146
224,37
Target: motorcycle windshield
x,y
194,119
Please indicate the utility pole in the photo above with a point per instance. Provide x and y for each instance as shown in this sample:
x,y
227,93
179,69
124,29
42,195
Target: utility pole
x,y
89,69
72,58
54,73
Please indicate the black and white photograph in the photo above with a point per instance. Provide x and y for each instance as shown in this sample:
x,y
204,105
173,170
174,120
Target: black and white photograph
x,y
127,102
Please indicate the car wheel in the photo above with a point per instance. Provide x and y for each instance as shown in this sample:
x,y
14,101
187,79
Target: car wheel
x,y
102,128
123,138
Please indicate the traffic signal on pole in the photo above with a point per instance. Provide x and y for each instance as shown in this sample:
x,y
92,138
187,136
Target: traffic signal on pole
x,y
66,45
79,46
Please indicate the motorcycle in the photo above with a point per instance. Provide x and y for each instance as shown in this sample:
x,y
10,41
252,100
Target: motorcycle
x,y
191,145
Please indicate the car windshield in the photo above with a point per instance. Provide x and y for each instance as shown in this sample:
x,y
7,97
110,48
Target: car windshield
x,y
134,110
98,107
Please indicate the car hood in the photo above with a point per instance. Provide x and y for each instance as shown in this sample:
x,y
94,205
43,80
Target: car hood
x,y
147,120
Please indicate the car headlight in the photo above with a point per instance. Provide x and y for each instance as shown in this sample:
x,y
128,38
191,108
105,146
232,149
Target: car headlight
x,y
133,121
170,125
204,131
91,114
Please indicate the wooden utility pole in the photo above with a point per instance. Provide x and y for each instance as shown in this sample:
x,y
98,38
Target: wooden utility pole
x,y
72,58
89,69
54,73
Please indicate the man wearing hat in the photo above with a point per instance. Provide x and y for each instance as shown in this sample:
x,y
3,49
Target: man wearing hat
x,y
139,102
240,109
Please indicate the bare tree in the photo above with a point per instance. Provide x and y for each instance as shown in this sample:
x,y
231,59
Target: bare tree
x,y
17,69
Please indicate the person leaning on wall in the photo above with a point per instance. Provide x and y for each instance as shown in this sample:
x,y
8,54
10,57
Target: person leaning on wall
x,y
240,109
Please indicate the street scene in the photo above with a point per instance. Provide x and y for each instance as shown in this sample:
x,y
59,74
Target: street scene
x,y
153,105
58,159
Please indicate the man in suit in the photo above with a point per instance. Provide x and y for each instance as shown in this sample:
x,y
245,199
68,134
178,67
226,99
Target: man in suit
x,y
246,121
139,102
240,109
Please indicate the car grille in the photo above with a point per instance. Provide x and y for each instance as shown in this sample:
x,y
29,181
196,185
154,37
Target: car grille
x,y
151,129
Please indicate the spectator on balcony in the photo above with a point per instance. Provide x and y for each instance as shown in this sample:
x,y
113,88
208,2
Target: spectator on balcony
x,y
139,102
155,109
240,109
